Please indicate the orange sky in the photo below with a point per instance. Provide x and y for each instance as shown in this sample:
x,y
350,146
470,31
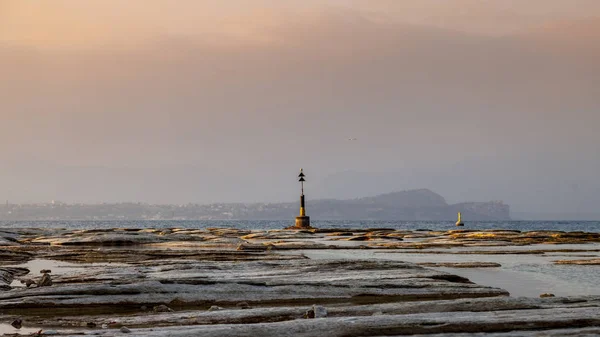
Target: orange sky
x,y
498,98
93,23
68,24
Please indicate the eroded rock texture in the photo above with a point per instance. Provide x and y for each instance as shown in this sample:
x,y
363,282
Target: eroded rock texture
x,y
228,282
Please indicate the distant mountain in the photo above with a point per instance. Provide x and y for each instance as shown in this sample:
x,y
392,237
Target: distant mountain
x,y
419,204
411,199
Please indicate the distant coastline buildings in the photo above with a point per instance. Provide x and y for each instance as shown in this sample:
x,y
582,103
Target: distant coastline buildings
x,y
406,205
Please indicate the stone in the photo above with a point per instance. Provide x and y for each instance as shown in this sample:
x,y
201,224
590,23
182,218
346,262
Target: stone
x,y
359,238
45,281
309,314
215,308
115,325
243,305
316,311
125,330
320,312
45,271
28,282
162,308
91,325
17,323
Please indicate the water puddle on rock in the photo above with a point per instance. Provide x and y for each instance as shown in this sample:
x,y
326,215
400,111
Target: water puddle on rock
x,y
57,267
527,275
6,329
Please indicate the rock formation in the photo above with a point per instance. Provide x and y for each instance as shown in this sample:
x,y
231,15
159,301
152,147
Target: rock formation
x,y
191,282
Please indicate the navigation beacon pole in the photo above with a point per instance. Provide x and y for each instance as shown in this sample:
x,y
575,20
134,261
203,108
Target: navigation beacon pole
x,y
302,221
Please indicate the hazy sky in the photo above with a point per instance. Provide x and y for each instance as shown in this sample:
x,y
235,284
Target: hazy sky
x,y
205,101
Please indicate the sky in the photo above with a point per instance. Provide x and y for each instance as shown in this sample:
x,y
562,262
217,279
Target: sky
x,y
220,101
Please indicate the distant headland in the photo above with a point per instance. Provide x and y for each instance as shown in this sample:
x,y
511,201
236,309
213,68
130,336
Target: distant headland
x,y
421,204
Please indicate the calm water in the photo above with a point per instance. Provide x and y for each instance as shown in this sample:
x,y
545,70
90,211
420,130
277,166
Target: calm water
x,y
586,226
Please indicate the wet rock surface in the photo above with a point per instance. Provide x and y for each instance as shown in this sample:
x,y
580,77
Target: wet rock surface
x,y
8,274
229,282
589,262
461,264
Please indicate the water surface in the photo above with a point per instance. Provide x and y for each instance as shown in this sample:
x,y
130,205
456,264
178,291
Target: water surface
x,y
586,226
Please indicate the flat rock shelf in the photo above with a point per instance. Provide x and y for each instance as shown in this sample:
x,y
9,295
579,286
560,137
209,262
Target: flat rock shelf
x,y
320,282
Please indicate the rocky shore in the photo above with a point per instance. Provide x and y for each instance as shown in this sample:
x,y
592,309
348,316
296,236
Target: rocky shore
x,y
230,282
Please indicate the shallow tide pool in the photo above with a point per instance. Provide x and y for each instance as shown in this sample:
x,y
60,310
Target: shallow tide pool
x,y
521,275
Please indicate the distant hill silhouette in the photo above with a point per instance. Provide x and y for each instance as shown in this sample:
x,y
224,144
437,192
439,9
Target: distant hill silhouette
x,y
411,198
421,204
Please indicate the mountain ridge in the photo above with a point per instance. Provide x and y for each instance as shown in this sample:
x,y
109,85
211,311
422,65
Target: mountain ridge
x,y
419,204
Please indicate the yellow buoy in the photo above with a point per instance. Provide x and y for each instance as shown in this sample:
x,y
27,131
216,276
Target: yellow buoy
x,y
459,222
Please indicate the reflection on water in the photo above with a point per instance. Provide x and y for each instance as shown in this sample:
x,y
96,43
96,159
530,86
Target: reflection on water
x,y
532,280
521,275
566,280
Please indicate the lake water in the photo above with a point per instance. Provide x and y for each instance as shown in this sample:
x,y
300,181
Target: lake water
x,y
586,226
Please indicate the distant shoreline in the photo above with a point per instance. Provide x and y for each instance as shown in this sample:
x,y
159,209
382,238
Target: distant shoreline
x,y
411,205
